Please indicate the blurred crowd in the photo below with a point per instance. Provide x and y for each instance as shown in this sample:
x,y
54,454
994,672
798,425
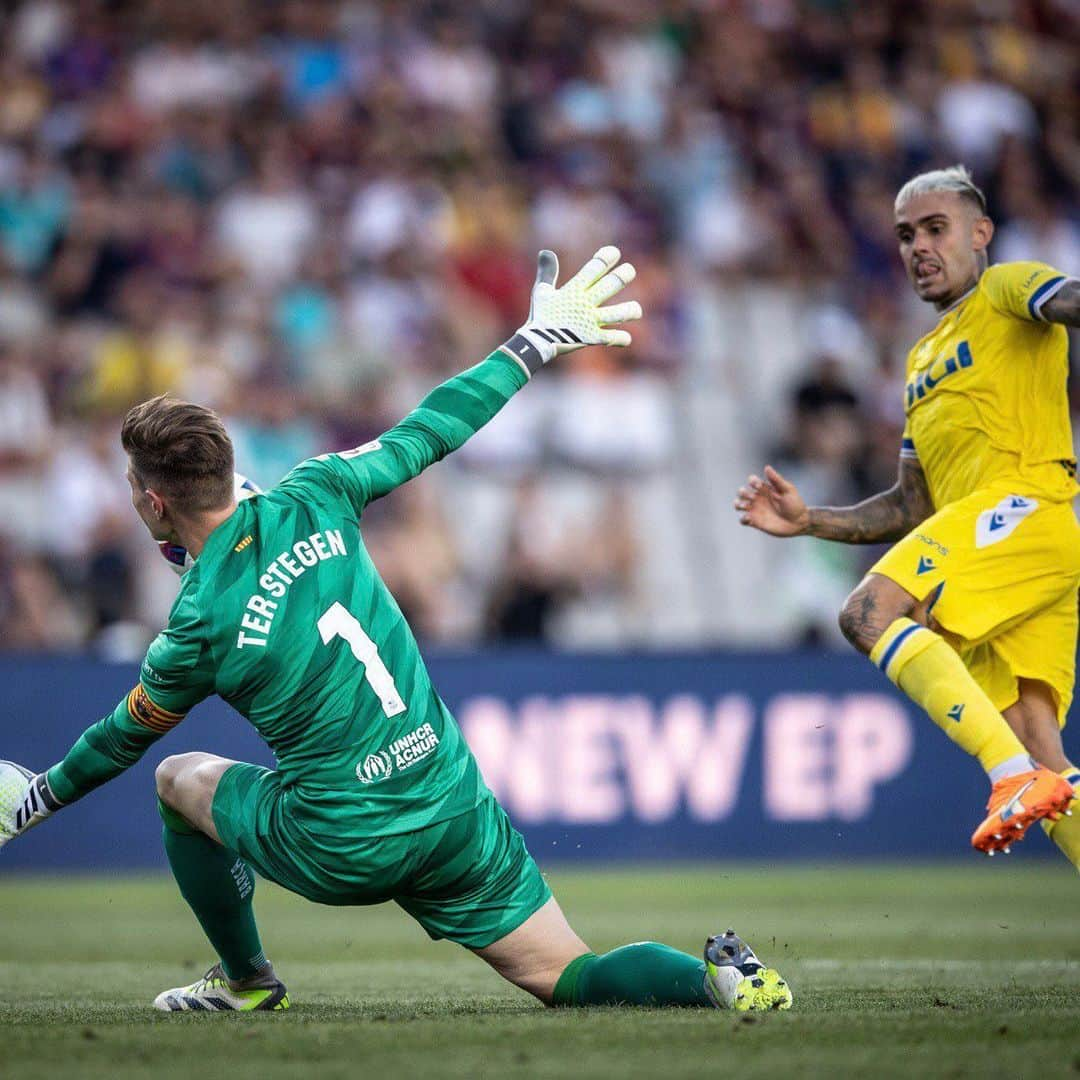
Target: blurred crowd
x,y
304,213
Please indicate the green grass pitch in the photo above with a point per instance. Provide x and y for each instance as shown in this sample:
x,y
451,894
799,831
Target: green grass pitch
x,y
967,969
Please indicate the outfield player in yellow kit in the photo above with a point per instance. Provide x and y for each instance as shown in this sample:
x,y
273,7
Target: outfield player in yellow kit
x,y
973,612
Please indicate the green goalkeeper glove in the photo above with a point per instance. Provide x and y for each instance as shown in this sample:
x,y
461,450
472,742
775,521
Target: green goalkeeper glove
x,y
25,800
570,317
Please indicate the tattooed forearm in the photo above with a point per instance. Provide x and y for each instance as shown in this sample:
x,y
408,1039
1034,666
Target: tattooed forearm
x,y
881,518
873,521
1064,305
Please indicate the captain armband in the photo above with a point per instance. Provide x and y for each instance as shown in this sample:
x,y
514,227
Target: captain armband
x,y
150,715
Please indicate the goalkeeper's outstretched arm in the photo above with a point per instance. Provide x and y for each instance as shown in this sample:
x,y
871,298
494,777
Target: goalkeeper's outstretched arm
x,y
103,751
561,319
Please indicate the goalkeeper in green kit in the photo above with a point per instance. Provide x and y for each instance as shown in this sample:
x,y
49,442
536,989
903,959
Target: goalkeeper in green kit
x,y
376,795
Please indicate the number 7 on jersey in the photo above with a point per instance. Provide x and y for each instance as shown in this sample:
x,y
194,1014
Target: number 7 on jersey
x,y
337,621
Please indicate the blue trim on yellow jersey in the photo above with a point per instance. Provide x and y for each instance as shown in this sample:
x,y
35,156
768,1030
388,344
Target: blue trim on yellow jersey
x,y
899,640
907,448
935,596
1039,295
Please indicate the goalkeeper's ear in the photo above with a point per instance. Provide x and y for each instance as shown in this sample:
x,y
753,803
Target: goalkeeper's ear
x,y
547,268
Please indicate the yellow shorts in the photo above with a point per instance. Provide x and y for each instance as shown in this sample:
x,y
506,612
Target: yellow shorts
x,y
1002,572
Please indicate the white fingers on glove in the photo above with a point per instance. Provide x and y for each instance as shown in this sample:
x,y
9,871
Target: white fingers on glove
x,y
611,283
624,312
619,338
547,268
568,318
617,313
595,268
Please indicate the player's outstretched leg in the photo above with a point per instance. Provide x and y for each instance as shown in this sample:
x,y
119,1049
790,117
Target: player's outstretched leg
x,y
926,668
648,973
219,887
546,957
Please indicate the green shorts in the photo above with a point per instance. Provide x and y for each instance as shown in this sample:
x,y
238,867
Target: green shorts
x,y
469,879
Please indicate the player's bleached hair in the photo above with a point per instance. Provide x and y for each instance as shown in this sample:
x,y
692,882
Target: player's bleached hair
x,y
955,178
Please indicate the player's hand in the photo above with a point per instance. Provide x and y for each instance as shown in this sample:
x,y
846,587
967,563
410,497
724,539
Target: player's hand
x,y
772,505
25,800
572,316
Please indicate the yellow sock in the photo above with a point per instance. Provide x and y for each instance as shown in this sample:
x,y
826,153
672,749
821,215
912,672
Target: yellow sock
x,y
930,672
1065,832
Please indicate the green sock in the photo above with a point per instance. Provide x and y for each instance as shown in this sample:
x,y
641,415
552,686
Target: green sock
x,y
219,886
645,973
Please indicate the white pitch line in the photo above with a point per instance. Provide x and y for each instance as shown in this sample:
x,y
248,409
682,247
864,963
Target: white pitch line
x,y
927,964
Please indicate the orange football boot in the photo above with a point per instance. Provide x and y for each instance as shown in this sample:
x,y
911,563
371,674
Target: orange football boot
x,y
1016,803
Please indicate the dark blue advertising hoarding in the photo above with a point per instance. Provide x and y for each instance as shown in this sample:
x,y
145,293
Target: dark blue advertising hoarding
x,y
687,756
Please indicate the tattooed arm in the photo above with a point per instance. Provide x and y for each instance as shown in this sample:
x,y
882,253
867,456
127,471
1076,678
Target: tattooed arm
x,y
775,506
1064,305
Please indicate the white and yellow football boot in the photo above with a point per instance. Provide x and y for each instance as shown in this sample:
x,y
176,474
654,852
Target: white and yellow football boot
x,y
736,979
212,993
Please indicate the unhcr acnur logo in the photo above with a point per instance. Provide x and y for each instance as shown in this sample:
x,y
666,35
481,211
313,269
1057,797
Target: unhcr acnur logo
x,y
374,767
401,754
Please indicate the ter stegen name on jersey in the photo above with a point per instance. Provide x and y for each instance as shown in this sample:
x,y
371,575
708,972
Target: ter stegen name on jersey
x,y
258,618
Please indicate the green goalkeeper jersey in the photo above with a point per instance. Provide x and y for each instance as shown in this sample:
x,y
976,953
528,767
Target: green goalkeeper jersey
x,y
285,617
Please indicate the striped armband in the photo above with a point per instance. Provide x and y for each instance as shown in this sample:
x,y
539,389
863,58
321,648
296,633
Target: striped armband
x,y
149,715
907,449
1043,293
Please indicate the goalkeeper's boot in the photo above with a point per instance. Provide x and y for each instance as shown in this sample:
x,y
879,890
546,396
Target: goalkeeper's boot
x,y
212,993
1016,803
736,979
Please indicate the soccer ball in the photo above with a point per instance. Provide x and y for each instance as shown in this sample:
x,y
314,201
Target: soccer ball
x,y
178,557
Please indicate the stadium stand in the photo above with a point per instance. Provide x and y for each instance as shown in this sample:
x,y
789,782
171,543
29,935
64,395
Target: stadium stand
x,y
305,213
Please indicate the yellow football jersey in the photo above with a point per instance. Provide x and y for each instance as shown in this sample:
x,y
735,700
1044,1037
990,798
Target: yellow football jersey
x,y
985,393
